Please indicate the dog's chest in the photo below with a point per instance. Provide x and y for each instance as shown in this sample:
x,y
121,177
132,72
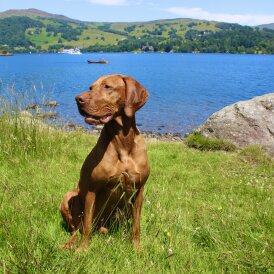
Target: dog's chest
x,y
106,168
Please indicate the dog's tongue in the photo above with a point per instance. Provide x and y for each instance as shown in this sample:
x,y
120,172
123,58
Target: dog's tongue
x,y
91,121
106,119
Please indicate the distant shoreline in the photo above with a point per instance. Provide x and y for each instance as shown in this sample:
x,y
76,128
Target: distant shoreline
x,y
6,54
148,134
133,52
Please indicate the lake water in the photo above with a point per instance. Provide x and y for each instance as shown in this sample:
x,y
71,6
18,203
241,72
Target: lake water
x,y
185,89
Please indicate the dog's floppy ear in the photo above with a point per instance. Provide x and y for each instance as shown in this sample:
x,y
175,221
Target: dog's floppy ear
x,y
136,96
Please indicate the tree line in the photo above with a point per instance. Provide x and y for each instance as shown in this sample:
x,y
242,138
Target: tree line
x,y
230,38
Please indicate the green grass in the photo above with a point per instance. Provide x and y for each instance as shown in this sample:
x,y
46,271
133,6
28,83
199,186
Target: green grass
x,y
42,39
95,36
203,212
198,141
88,37
180,25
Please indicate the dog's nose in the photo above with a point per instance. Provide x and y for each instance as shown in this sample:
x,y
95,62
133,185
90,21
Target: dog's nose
x,y
80,99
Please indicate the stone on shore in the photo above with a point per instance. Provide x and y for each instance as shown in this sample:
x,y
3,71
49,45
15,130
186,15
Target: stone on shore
x,y
244,123
51,104
25,118
47,115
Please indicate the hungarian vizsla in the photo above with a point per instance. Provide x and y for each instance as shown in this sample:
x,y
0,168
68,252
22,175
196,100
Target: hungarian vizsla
x,y
114,173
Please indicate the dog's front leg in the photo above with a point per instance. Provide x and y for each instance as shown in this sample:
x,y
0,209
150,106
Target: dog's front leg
x,y
136,214
88,218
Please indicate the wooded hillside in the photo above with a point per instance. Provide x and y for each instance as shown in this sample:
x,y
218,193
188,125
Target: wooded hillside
x,y
44,32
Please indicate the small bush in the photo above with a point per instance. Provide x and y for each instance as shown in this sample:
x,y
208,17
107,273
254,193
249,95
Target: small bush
x,y
198,141
254,154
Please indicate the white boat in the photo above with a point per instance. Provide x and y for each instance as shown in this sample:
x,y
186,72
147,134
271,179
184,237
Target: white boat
x,y
71,51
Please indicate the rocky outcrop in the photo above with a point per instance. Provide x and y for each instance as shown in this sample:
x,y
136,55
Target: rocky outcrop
x,y
5,53
244,123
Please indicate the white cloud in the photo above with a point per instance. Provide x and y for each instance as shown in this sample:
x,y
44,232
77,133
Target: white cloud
x,y
109,2
243,19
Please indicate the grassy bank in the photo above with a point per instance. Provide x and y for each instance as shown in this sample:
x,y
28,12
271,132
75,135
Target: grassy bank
x,y
204,212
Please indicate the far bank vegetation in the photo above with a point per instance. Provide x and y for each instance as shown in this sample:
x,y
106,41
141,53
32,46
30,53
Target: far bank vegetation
x,y
40,34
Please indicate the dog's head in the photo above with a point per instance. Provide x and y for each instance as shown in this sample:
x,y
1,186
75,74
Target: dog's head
x,y
111,96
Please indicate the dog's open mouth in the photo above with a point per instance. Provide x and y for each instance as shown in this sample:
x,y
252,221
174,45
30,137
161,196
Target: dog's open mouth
x,y
90,119
95,119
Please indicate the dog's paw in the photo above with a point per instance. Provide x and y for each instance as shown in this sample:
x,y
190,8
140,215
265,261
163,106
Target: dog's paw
x,y
82,247
137,247
70,244
67,246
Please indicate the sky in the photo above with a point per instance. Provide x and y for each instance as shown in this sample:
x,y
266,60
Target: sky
x,y
244,12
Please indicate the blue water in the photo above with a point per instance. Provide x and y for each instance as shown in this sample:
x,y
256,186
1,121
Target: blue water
x,y
185,89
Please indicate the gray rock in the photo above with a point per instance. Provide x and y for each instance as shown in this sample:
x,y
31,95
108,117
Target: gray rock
x,y
244,123
32,106
25,118
51,104
47,115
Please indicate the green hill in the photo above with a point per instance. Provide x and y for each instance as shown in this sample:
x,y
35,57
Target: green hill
x,y
267,26
34,13
38,31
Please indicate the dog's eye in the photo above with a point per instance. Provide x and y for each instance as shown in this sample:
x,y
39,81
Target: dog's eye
x,y
107,86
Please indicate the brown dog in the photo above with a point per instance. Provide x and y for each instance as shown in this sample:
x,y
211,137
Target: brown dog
x,y
114,173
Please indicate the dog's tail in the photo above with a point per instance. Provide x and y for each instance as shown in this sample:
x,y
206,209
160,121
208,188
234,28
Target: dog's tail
x,y
70,209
